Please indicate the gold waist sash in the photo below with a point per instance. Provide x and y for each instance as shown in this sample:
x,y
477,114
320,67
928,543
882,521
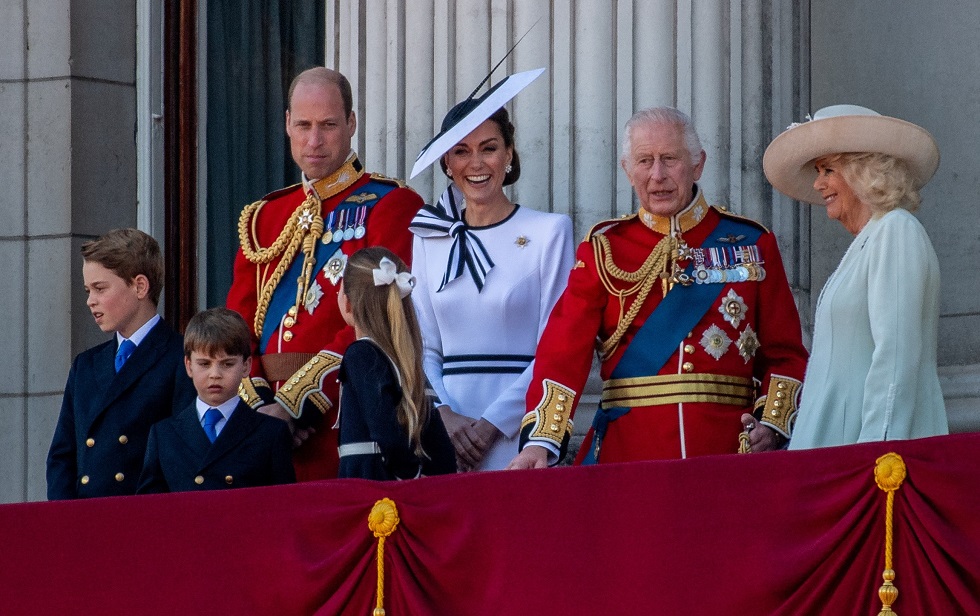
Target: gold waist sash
x,y
677,388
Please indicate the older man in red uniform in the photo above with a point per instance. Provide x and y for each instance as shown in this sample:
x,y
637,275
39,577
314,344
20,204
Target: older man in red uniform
x,y
294,246
690,311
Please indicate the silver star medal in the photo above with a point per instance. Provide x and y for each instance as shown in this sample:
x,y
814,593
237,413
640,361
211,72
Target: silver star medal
x,y
733,308
313,295
748,344
715,342
334,269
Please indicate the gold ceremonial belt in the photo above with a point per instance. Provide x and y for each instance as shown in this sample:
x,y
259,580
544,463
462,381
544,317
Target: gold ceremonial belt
x,y
677,388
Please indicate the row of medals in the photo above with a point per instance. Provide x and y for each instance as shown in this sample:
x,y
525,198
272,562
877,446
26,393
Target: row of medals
x,y
348,227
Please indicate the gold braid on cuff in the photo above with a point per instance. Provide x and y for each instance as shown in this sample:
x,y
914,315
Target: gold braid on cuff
x,y
255,391
306,385
551,419
780,404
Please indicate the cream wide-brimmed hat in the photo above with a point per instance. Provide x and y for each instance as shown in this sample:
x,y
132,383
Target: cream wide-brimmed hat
x,y
838,129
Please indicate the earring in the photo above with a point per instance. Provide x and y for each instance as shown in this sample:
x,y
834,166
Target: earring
x,y
449,173
508,168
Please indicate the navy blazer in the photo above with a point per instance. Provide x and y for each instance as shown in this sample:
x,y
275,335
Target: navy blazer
x,y
100,439
252,449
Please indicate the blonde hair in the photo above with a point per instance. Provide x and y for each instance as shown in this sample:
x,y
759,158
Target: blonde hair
x,y
881,181
382,315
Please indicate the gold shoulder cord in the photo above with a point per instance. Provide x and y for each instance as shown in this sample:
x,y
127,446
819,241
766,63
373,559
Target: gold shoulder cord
x,y
653,268
292,236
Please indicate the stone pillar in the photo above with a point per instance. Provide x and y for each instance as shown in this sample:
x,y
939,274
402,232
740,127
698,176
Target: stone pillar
x,y
67,155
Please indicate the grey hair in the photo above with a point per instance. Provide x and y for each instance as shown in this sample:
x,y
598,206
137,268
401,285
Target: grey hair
x,y
662,115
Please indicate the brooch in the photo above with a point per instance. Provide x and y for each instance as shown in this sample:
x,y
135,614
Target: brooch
x,y
522,241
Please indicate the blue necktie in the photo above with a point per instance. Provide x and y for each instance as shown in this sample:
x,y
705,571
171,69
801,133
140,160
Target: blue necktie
x,y
123,352
211,419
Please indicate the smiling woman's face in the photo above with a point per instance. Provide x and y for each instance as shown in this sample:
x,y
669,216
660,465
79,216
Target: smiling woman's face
x,y
478,163
842,203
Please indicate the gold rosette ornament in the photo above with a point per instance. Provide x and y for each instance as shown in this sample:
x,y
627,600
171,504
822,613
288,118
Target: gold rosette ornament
x,y
890,472
382,521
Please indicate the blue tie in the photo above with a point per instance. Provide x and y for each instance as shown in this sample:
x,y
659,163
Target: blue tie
x,y
125,349
211,419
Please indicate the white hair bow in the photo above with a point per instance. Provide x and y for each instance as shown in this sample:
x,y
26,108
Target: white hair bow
x,y
388,273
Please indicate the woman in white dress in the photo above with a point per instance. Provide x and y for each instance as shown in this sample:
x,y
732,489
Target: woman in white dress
x,y
488,273
872,373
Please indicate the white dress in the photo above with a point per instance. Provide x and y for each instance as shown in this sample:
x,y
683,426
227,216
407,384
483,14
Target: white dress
x,y
479,346
872,373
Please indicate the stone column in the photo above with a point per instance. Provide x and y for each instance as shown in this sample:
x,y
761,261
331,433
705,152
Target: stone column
x,y
67,158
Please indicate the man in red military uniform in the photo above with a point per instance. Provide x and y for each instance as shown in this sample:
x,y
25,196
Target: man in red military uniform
x,y
690,311
294,246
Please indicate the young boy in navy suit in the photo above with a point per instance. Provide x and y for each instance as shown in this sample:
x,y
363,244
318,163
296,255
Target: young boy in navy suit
x,y
218,441
120,388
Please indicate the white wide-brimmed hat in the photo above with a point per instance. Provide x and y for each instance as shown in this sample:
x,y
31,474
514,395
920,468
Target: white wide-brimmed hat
x,y
838,129
467,115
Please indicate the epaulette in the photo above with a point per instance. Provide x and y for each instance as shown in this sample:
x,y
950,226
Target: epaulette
x,y
387,180
282,191
604,225
724,212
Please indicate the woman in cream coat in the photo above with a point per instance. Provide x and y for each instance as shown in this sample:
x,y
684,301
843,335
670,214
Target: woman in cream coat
x,y
872,373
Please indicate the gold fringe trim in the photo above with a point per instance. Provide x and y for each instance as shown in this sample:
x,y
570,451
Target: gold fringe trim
x,y
890,472
382,521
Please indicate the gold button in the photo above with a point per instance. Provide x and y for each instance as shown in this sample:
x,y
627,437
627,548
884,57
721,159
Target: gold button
x,y
295,380
120,476
774,413
123,439
199,480
229,479
687,367
315,360
302,373
90,442
562,397
287,336
780,385
293,311
554,427
84,480
244,397
556,417
780,395
688,348
690,334
288,388
289,321
559,407
777,404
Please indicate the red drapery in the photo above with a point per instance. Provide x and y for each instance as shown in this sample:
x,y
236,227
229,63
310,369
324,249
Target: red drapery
x,y
780,533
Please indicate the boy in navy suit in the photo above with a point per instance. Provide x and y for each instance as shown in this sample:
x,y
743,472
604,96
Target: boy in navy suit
x,y
218,441
120,388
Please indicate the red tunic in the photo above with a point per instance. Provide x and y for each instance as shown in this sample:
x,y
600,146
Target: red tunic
x,y
695,417
316,327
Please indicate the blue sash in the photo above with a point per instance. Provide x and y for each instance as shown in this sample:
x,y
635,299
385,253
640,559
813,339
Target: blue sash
x,y
681,309
285,293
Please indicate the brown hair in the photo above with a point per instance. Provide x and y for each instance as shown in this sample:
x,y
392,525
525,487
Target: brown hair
x,y
128,253
501,118
218,329
386,318
324,76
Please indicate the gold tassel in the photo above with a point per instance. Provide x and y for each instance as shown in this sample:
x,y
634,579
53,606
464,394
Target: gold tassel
x,y
382,522
890,472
